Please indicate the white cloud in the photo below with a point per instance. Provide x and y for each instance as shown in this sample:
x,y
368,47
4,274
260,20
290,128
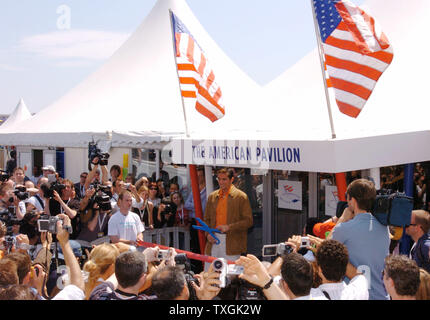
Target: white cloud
x,y
7,67
74,44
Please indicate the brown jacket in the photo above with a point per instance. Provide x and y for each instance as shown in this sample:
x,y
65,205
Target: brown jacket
x,y
239,220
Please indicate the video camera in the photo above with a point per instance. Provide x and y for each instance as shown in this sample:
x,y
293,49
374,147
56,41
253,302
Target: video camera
x,y
21,193
183,262
226,270
4,176
48,188
95,152
49,224
102,197
390,208
273,250
170,207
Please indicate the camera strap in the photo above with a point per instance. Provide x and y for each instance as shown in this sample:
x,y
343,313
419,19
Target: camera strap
x,y
326,294
42,204
101,222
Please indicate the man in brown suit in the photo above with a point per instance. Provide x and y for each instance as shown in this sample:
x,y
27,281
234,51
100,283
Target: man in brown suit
x,y
229,210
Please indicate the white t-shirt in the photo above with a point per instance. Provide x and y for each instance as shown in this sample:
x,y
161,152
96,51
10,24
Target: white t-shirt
x,y
125,227
356,289
70,292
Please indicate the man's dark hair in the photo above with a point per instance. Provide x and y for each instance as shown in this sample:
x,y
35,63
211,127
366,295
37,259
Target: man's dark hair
x,y
168,283
228,171
23,263
297,272
332,258
405,274
364,192
115,167
129,268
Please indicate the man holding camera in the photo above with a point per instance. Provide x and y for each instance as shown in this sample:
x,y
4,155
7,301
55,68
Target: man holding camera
x,y
228,209
38,199
120,186
9,202
366,239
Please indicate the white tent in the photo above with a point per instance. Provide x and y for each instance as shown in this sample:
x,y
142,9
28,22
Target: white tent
x,y
134,98
20,113
392,129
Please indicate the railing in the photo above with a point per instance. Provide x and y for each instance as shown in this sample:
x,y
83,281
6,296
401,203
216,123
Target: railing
x,y
176,237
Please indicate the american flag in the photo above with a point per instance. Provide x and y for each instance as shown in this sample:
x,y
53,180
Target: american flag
x,y
356,52
196,77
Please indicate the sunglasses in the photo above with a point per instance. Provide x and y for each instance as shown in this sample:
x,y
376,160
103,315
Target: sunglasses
x,y
153,189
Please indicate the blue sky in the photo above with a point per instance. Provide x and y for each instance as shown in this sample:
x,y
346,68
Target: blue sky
x,y
41,58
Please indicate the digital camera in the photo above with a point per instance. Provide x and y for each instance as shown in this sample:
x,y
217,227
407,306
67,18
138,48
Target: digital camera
x,y
226,270
272,250
49,224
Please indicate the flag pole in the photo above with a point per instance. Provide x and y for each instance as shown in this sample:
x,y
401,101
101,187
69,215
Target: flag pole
x,y
177,72
318,35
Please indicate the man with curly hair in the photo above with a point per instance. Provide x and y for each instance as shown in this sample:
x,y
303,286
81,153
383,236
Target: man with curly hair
x,y
401,277
332,260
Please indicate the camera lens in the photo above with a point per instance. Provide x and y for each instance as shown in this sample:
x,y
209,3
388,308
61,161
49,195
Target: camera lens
x,y
217,264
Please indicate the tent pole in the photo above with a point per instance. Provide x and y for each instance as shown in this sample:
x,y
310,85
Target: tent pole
x,y
318,35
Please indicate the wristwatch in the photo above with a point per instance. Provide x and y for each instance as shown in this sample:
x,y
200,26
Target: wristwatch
x,y
268,284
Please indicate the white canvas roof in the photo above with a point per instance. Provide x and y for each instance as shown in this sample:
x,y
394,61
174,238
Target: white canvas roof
x,y
134,98
393,128
20,113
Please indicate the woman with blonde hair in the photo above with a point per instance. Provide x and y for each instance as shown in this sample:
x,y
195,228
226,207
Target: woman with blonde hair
x,y
100,265
423,292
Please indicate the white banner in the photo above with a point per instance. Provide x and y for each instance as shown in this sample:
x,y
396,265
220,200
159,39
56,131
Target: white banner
x,y
290,194
331,199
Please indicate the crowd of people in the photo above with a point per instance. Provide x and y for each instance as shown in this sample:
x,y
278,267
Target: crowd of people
x,y
43,224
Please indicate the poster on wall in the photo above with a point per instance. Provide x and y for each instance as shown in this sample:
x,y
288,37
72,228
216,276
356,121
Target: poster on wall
x,y
290,194
331,200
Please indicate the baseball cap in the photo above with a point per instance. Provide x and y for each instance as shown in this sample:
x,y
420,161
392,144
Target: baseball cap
x,y
76,247
49,168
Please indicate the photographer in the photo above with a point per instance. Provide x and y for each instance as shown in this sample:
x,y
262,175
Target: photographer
x,y
169,283
94,224
9,202
74,290
120,186
366,239
63,201
164,213
38,200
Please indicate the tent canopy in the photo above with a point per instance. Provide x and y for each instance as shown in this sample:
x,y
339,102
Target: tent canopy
x,y
20,113
393,127
134,98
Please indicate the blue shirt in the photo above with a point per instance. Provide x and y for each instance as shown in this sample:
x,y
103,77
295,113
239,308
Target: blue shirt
x,y
421,251
189,203
368,243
